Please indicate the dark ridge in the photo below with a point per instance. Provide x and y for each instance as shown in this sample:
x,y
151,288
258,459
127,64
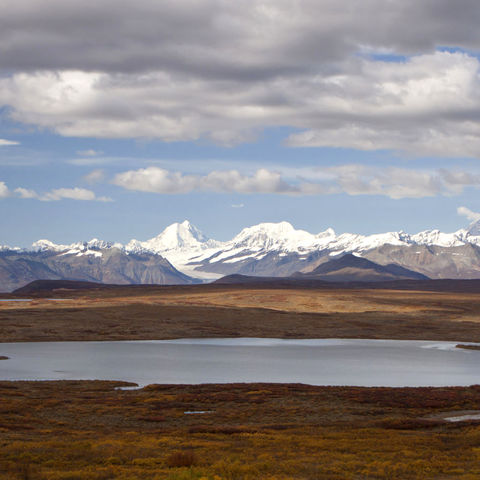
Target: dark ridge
x,y
40,286
428,285
349,267
48,287
239,279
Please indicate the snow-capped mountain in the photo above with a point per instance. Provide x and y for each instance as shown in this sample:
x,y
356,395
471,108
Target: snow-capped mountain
x,y
93,261
269,249
278,249
180,243
178,236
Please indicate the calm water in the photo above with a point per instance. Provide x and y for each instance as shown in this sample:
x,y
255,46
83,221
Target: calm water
x,y
316,362
31,299
15,299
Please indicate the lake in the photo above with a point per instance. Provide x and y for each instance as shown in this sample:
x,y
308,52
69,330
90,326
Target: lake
x,y
394,363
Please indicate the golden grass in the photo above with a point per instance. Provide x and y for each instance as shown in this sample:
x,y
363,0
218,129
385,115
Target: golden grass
x,y
229,311
88,430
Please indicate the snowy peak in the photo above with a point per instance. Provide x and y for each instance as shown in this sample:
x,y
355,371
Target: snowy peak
x,y
6,248
176,237
273,236
95,243
92,247
474,229
45,245
436,237
328,233
180,235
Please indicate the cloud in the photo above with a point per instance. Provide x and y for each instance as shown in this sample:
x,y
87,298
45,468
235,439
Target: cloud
x,y
466,212
4,142
25,193
89,153
426,106
94,176
238,205
392,182
75,193
70,193
56,194
250,40
4,191
223,71
351,179
159,180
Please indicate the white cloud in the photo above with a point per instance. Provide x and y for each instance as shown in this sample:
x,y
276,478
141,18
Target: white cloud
x,y
223,71
26,193
4,191
70,193
4,142
352,179
159,180
466,212
392,182
237,205
56,194
89,153
428,105
94,176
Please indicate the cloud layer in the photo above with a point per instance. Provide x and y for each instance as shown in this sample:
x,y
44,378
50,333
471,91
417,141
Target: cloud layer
x,y
225,70
392,182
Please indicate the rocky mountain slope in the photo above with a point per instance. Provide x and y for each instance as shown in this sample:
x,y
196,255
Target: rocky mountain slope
x,y
105,265
181,251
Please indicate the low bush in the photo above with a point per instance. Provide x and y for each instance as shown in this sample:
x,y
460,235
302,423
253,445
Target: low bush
x,y
182,459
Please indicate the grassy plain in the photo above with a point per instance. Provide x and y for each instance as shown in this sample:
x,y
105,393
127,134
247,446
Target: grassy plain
x,y
232,311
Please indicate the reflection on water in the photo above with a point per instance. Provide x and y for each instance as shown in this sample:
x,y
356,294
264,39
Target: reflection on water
x,y
315,361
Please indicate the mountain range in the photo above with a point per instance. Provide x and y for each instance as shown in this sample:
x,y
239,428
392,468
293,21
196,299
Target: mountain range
x,y
181,254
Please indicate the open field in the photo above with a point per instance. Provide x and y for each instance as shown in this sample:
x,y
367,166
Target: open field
x,y
90,431
236,311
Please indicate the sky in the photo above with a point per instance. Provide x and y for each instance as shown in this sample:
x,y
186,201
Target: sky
x,y
118,121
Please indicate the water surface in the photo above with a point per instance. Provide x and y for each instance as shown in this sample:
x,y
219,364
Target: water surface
x,y
393,363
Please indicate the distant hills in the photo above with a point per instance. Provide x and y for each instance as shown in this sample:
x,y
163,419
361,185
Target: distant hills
x,y
181,254
351,268
101,265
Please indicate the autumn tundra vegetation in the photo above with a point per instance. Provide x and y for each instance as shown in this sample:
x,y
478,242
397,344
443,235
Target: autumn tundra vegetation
x,y
93,430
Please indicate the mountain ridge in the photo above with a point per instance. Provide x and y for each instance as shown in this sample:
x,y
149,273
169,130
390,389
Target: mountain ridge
x,y
266,249
278,236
